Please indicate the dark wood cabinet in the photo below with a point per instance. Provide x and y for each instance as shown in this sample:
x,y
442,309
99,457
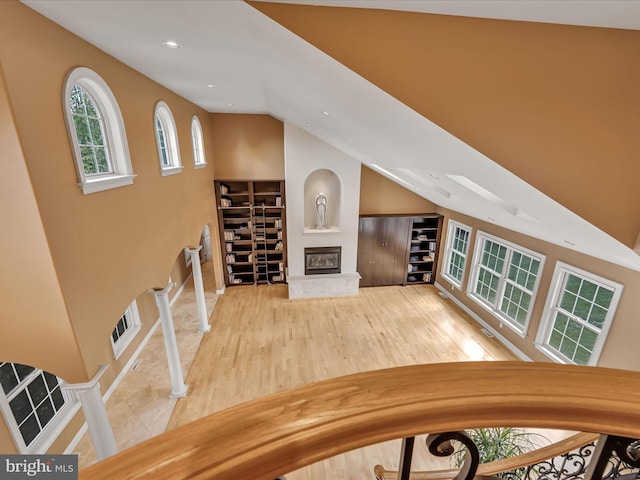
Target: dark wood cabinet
x,y
382,250
252,231
398,249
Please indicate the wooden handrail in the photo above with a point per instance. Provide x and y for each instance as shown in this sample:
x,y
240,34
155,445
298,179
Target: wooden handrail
x,y
270,436
506,465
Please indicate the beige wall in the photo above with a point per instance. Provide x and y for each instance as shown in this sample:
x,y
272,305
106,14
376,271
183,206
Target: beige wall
x,y
107,247
379,195
556,105
247,147
621,349
34,316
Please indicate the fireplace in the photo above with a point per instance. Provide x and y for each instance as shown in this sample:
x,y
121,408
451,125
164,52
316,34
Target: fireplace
x,y
322,260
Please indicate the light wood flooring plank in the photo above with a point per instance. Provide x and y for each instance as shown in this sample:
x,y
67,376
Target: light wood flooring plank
x,y
261,342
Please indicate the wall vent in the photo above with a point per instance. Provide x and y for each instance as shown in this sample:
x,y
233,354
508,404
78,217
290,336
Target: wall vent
x,y
135,365
443,295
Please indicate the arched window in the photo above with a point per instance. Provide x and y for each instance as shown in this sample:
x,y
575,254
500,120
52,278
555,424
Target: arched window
x,y
96,132
167,140
198,143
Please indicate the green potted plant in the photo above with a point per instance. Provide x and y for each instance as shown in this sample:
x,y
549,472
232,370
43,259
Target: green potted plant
x,y
499,443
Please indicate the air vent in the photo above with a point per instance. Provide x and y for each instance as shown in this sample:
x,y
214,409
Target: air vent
x,y
443,295
486,332
135,365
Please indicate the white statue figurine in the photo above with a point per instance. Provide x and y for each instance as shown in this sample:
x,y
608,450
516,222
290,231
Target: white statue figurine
x,y
321,211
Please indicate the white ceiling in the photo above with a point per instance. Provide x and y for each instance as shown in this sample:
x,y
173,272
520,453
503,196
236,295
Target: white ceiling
x,y
257,66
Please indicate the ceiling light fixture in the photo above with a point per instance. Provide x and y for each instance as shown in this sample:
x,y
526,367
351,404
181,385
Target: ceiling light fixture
x,y
325,113
230,104
171,44
210,85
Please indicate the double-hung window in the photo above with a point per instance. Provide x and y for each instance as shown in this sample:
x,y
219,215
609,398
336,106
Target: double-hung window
x,y
505,280
96,132
456,252
33,404
167,140
579,311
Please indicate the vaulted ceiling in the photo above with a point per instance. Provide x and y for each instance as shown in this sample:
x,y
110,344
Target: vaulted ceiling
x,y
475,105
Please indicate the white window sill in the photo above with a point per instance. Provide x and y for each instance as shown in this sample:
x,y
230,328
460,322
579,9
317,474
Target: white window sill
x,y
504,320
551,354
200,165
105,183
453,282
171,170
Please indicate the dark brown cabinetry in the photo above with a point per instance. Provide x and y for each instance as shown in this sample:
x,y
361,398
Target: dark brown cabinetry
x,y
382,250
252,230
397,250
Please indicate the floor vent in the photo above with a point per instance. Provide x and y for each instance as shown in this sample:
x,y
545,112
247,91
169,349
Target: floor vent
x,y
443,295
486,332
135,365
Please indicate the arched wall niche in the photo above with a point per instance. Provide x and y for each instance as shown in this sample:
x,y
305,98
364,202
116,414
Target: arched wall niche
x,y
327,182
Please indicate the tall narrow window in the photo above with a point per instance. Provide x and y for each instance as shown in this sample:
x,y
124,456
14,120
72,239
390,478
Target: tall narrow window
x,y
96,132
505,280
167,140
126,329
32,403
456,252
579,311
198,143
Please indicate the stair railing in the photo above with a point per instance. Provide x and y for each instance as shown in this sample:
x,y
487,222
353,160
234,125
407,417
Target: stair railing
x,y
274,435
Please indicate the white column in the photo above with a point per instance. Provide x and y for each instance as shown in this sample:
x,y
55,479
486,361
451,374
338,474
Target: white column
x,y
178,387
95,414
198,285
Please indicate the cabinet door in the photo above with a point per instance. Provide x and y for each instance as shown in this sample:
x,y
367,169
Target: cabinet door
x,y
382,249
367,247
398,233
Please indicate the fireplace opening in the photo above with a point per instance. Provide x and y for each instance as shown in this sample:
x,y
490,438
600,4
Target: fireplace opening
x,y
322,260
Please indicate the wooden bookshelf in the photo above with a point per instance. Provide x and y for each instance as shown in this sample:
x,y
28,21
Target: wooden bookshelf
x,y
424,242
252,231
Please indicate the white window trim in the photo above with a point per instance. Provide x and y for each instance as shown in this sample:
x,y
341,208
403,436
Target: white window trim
x,y
546,323
163,112
452,225
115,134
197,140
521,330
123,342
51,431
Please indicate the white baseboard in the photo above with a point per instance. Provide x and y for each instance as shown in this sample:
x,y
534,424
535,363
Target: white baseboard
x,y
112,388
515,350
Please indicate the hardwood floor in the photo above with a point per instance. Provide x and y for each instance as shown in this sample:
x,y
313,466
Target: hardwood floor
x,y
261,342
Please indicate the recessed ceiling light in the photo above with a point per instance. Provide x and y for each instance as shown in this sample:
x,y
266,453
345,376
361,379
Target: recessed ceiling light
x,y
210,85
230,104
325,113
172,44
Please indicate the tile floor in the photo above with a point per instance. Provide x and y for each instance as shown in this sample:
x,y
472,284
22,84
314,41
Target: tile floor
x,y
140,407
